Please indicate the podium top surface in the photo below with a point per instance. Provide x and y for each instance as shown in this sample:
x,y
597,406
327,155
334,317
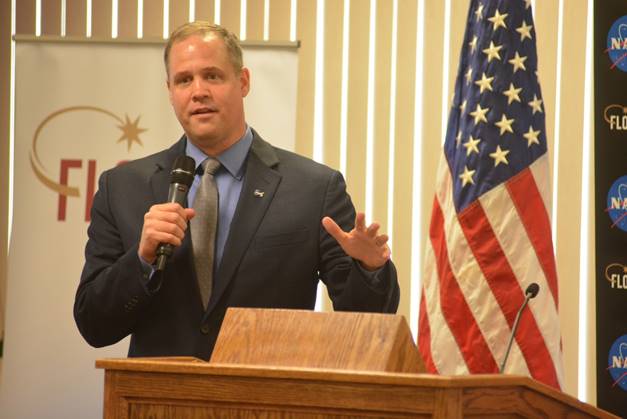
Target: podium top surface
x,y
191,365
306,339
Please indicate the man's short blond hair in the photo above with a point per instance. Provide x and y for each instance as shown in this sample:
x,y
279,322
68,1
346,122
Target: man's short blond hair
x,y
202,28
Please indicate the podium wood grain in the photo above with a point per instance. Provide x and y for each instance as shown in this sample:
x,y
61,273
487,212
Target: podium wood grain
x,y
190,388
299,338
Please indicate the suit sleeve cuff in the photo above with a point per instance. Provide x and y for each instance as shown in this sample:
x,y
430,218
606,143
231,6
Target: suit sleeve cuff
x,y
151,282
377,280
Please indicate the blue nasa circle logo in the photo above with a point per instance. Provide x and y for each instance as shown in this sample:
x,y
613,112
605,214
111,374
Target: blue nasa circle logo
x,y
617,203
617,44
617,362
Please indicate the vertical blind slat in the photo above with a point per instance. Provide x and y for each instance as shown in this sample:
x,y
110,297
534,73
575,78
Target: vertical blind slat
x,y
205,10
254,20
230,15
357,112
546,24
127,19
306,33
279,21
101,18
403,159
332,107
383,58
51,17
431,131
153,18
75,17
569,180
25,17
179,14
5,122
459,12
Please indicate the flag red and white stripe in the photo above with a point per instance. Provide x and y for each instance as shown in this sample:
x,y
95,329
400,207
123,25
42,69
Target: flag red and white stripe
x,y
490,231
478,264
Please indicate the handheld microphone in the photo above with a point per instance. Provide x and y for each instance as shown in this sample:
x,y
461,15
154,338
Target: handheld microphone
x,y
181,178
531,291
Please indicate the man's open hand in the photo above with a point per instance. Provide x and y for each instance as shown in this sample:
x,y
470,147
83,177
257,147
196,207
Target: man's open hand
x,y
361,243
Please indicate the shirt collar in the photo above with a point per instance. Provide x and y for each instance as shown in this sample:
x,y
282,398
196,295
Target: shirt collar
x,y
232,159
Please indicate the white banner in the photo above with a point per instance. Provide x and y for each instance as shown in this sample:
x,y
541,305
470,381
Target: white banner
x,y
80,109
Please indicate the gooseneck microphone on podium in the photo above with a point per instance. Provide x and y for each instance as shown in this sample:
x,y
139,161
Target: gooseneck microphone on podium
x,y
181,178
530,292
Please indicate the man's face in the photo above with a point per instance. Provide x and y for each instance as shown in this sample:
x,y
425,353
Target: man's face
x,y
207,93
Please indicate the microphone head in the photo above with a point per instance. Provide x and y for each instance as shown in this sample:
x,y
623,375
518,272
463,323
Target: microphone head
x,y
532,290
183,171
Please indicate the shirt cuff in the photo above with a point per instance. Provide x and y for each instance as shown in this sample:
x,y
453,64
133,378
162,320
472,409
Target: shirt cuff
x,y
149,280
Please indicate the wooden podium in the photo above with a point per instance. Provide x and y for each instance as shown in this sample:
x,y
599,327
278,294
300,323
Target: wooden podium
x,y
298,364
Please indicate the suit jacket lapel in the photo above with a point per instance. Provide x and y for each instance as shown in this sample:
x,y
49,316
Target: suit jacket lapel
x,y
260,185
160,179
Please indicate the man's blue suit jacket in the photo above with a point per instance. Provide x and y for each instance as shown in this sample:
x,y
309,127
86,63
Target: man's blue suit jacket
x,y
276,252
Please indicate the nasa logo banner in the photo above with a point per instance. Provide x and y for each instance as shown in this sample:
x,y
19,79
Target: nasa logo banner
x,y
617,44
615,115
617,363
616,276
610,178
617,203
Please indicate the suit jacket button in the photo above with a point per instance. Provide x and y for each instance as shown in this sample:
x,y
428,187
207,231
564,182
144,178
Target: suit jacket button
x,y
204,329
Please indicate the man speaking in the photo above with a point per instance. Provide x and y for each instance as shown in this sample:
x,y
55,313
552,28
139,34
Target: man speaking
x,y
263,225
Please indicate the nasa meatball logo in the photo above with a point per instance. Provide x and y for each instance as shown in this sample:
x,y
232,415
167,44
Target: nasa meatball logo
x,y
617,362
617,203
617,44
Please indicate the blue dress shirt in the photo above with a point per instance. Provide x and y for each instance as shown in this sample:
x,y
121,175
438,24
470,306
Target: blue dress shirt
x,y
229,180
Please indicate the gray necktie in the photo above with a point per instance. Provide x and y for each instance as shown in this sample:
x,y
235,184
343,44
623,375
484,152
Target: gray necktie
x,y
203,228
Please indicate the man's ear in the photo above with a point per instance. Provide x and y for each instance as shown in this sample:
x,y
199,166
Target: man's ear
x,y
244,79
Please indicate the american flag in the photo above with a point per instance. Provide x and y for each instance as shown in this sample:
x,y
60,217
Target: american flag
x,y
490,231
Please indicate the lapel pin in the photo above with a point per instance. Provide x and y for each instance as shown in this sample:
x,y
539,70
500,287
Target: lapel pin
x,y
258,193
